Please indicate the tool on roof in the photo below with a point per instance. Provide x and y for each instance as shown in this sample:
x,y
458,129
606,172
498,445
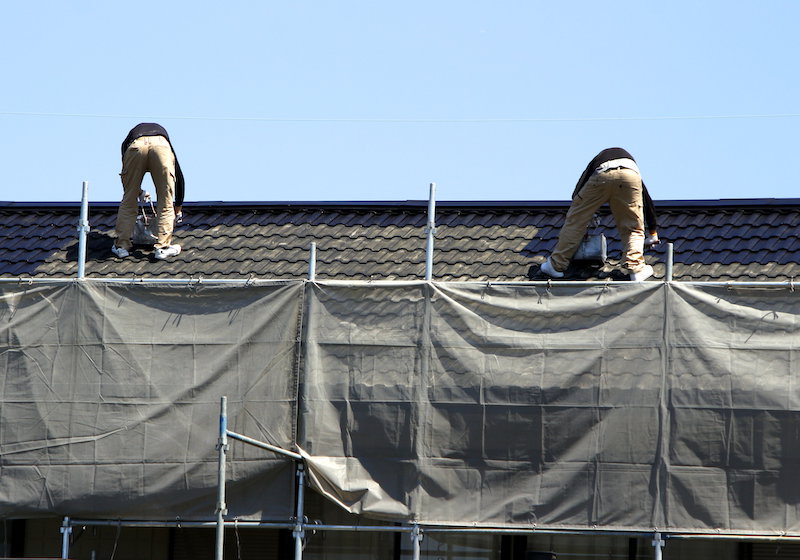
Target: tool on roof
x,y
592,251
589,260
143,233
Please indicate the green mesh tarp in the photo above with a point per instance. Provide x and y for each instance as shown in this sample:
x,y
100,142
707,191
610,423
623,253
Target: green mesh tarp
x,y
615,407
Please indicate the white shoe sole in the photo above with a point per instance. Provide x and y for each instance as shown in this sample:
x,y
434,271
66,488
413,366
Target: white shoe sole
x,y
548,270
642,275
119,253
161,256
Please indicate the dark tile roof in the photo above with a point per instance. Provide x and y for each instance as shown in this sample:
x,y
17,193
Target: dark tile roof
x,y
729,240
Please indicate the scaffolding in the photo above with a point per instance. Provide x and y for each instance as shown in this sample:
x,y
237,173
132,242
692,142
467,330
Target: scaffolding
x,y
415,531
299,525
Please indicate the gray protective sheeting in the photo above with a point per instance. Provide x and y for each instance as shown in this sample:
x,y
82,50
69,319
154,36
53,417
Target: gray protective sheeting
x,y
110,399
619,407
627,406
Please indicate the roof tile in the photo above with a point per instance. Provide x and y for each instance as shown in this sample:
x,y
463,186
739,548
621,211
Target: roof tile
x,y
474,241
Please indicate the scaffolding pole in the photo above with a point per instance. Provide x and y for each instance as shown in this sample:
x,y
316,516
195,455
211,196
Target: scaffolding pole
x,y
222,447
194,282
434,529
668,273
299,533
658,545
416,532
83,230
66,533
312,263
431,232
416,539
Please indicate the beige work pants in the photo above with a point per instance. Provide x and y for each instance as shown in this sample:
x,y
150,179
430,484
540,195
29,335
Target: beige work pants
x,y
621,188
151,154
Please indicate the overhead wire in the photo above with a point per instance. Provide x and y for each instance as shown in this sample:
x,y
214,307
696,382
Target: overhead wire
x,y
407,120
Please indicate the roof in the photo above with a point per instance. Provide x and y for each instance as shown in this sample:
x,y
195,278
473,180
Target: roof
x,y
713,240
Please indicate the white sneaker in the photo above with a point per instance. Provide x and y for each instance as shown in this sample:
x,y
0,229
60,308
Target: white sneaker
x,y
165,253
643,274
119,251
547,268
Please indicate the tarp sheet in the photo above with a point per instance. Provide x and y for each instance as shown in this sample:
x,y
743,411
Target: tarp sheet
x,y
628,407
620,407
110,399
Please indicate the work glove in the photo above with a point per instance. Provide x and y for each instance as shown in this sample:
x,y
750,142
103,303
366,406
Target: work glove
x,y
144,196
651,240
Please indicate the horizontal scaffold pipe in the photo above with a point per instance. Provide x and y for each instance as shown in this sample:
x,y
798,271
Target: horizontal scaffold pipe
x,y
177,523
193,282
267,446
428,529
254,281
767,284
145,280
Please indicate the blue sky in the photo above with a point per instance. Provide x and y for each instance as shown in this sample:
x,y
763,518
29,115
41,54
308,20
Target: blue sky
x,y
368,101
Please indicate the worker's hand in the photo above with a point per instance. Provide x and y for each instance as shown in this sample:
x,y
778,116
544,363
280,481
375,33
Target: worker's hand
x,y
178,214
651,240
144,196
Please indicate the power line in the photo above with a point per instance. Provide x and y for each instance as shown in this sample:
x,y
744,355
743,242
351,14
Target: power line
x,y
365,120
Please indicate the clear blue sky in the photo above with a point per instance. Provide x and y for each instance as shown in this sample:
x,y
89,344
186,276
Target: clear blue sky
x,y
374,100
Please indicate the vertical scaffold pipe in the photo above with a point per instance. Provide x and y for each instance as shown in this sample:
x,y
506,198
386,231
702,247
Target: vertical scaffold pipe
x,y
416,538
66,531
83,230
298,532
312,262
669,262
222,447
430,231
658,544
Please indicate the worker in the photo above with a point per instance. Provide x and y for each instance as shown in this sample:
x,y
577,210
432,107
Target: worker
x,y
612,177
147,148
